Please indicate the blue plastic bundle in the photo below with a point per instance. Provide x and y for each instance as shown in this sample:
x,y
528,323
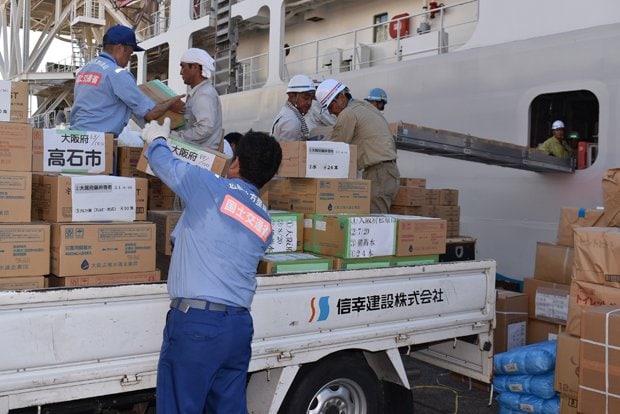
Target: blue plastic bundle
x,y
538,385
533,359
528,403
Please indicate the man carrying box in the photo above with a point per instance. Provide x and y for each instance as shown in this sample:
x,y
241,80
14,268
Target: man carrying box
x,y
218,241
105,94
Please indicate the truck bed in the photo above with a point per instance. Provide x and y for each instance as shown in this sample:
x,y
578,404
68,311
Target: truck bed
x,y
71,343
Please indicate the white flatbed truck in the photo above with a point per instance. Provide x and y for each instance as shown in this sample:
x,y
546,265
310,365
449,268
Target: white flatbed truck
x,y
327,339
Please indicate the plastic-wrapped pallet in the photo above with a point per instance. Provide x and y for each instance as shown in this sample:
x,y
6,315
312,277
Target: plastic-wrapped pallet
x,y
528,403
539,385
533,359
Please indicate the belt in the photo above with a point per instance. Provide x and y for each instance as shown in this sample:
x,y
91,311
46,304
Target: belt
x,y
183,304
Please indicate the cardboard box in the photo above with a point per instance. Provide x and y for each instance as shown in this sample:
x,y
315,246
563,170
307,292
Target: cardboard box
x,y
597,255
127,161
69,151
160,92
63,198
24,249
417,235
459,249
15,196
206,158
386,261
280,194
572,218
541,331
350,237
105,279
318,159
288,231
584,295
15,146
329,195
548,301
14,101
413,182
568,405
165,222
293,263
554,263
21,283
448,197
567,365
511,321
96,248
599,360
413,196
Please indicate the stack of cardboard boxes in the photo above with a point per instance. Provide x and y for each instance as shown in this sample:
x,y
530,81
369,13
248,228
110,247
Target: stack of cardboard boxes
x,y
24,245
98,230
318,180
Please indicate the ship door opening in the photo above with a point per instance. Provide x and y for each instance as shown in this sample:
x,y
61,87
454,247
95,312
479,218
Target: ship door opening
x,y
579,112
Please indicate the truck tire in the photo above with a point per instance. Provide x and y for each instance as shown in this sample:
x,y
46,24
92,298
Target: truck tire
x,y
342,384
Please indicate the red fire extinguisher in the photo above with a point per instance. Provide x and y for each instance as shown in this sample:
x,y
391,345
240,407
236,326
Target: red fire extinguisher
x,y
582,155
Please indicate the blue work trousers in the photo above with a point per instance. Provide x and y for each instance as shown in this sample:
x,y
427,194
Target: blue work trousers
x,y
204,361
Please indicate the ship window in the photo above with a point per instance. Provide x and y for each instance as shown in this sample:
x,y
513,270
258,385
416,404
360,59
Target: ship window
x,y
579,111
380,31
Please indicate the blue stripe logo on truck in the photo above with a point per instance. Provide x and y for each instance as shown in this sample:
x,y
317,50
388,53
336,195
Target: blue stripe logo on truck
x,y
323,308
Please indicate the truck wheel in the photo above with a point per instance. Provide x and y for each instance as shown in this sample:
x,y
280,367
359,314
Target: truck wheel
x,y
344,385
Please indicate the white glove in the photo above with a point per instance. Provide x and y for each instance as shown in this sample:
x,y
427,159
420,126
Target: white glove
x,y
153,130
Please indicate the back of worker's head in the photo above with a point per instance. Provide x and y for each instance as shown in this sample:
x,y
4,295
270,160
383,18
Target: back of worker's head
x,y
259,156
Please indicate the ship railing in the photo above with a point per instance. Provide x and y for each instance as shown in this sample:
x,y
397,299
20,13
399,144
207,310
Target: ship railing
x,y
437,31
160,25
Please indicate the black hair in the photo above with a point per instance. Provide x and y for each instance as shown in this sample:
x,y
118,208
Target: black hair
x,y
233,138
259,157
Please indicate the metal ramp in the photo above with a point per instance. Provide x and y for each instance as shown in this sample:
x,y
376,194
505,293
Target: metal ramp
x,y
410,137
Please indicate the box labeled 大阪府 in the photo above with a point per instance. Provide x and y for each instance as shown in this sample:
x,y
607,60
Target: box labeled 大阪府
x,y
97,248
288,231
351,237
71,151
24,249
206,158
15,146
65,198
318,159
15,196
14,101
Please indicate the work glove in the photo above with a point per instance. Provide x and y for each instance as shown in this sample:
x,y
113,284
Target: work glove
x,y
153,130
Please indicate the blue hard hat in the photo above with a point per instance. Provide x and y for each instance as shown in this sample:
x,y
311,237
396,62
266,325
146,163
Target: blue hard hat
x,y
377,94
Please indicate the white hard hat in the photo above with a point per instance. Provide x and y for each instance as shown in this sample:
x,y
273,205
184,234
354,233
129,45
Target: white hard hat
x,y
557,125
300,83
327,91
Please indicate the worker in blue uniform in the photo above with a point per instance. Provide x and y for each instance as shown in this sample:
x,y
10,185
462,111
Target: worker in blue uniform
x,y
105,94
219,239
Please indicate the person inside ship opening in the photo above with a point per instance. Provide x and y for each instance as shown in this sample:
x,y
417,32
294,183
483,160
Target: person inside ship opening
x,y
556,145
377,97
206,346
106,95
360,123
203,109
290,124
